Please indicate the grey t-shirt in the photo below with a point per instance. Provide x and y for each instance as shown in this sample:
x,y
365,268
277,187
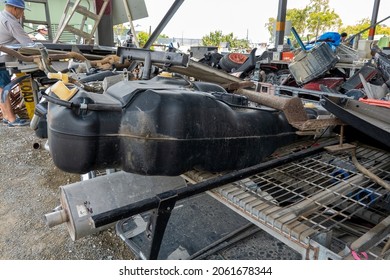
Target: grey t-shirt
x,y
11,31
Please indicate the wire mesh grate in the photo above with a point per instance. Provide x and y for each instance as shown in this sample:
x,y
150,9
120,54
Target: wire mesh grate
x,y
317,194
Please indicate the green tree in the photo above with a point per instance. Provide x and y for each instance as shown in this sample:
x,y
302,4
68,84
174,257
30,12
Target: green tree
x,y
142,37
298,18
270,27
317,17
119,30
217,37
321,17
382,29
364,24
213,39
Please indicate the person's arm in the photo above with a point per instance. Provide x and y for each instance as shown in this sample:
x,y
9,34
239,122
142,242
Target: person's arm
x,y
19,34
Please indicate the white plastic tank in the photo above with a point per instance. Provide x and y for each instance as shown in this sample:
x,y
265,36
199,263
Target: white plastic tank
x,y
364,49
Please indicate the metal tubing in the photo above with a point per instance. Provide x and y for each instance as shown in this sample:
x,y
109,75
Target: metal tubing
x,y
374,18
56,218
280,23
155,57
301,44
147,67
188,191
153,37
128,13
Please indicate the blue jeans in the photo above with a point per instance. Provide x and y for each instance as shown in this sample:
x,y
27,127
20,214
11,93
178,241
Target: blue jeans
x,y
5,78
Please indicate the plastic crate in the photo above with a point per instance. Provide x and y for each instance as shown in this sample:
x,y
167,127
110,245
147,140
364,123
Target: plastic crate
x,y
308,65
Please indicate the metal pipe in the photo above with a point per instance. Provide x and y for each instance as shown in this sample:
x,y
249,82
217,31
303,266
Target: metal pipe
x,y
56,218
153,37
280,23
128,13
147,67
374,18
295,33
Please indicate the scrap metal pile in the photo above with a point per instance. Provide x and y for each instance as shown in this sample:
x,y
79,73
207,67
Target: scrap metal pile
x,y
164,114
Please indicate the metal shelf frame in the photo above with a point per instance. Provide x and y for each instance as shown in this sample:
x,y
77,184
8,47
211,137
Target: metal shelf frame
x,y
318,206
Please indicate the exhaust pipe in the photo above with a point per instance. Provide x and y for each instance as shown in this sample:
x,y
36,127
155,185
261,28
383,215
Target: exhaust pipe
x,y
56,218
81,200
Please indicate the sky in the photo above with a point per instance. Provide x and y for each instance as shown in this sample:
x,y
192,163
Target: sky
x,y
245,18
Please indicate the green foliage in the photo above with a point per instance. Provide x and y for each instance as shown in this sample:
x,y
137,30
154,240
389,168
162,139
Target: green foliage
x,y
213,39
317,17
217,37
321,18
142,37
382,29
362,25
119,30
270,25
163,36
298,18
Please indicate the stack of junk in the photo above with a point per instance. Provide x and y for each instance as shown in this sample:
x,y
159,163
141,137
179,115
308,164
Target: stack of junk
x,y
149,117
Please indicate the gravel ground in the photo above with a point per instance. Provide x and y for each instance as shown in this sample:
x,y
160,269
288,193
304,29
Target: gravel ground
x,y
29,188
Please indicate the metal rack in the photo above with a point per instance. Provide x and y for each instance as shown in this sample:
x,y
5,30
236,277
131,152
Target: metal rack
x,y
305,195
320,206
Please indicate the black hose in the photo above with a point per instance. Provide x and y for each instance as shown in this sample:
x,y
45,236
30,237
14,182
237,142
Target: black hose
x,y
98,76
90,106
58,101
104,107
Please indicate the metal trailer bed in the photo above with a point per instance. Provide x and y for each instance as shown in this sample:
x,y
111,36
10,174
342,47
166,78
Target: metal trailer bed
x,y
320,206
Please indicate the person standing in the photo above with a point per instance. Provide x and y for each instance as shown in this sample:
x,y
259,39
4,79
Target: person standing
x,y
42,33
11,32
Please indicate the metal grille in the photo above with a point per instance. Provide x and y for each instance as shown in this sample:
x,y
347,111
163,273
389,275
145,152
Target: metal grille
x,y
318,195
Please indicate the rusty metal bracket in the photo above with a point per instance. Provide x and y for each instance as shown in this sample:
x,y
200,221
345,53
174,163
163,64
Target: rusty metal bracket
x,y
292,108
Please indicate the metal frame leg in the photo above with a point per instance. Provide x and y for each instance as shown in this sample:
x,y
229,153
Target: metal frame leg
x,y
159,221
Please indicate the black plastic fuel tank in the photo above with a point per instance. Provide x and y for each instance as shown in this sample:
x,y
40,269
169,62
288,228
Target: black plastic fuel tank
x,y
162,129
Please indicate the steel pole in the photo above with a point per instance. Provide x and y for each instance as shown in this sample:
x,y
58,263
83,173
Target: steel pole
x,y
280,23
374,19
175,6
